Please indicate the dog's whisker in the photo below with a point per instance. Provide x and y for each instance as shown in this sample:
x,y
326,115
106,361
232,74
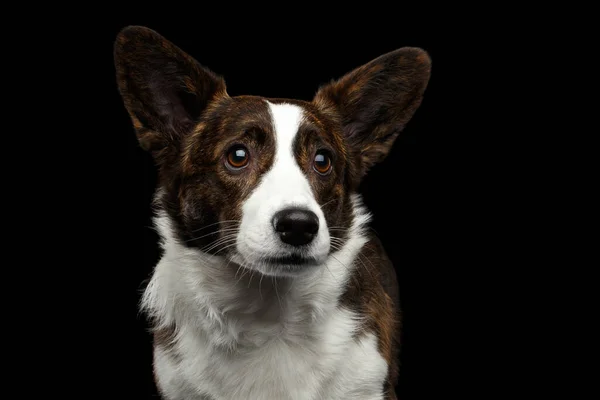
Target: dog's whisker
x,y
333,276
273,279
259,286
217,242
251,276
337,242
250,280
290,288
230,236
338,248
245,263
228,262
217,223
226,247
213,233
341,263
245,267
356,280
236,272
364,265
244,272
324,204
221,242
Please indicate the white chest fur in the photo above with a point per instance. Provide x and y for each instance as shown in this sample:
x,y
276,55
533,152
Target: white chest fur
x,y
244,337
334,367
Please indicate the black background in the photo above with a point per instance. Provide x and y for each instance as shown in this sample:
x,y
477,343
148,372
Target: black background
x,y
417,195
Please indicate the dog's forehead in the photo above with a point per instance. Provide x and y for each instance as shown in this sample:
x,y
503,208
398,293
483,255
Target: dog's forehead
x,y
271,115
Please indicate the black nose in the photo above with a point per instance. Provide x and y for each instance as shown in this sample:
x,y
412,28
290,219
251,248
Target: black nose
x,y
296,226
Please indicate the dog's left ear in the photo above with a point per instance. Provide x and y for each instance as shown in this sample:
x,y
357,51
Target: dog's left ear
x,y
376,100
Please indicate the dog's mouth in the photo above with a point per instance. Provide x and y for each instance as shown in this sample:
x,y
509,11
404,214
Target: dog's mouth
x,y
279,265
293,259
288,265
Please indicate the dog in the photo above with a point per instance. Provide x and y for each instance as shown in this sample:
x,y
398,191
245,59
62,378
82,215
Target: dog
x,y
270,284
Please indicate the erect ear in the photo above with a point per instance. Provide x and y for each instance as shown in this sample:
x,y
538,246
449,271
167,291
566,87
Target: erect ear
x,y
376,100
163,88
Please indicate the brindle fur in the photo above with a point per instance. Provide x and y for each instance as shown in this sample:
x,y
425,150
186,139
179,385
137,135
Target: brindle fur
x,y
183,115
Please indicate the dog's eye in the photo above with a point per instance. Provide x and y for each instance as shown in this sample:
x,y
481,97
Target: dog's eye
x,y
322,163
237,157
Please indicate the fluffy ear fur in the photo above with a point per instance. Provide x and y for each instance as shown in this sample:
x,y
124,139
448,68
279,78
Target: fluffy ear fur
x,y
375,101
163,88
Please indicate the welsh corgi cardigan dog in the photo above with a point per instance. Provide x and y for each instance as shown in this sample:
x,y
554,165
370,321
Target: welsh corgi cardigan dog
x,y
270,285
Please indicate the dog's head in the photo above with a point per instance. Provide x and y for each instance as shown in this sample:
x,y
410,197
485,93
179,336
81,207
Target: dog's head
x,y
266,183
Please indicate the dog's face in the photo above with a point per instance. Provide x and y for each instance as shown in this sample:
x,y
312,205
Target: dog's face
x,y
266,183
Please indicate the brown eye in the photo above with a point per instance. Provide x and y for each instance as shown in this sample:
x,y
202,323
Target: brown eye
x,y
322,162
237,157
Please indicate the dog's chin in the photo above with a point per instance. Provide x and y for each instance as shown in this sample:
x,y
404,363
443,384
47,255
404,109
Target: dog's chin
x,y
280,265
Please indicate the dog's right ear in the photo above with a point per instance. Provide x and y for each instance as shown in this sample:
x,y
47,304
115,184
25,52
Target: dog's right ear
x,y
164,89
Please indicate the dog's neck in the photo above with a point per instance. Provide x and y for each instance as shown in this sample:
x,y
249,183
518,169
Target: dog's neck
x,y
234,307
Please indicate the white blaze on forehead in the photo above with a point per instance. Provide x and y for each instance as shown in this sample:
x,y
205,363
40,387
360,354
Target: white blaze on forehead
x,y
286,119
284,185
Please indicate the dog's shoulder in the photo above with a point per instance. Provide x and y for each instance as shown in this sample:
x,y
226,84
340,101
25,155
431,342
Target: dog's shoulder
x,y
373,278
383,267
372,292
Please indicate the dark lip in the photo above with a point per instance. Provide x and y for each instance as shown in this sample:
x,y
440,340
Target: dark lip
x,y
293,259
